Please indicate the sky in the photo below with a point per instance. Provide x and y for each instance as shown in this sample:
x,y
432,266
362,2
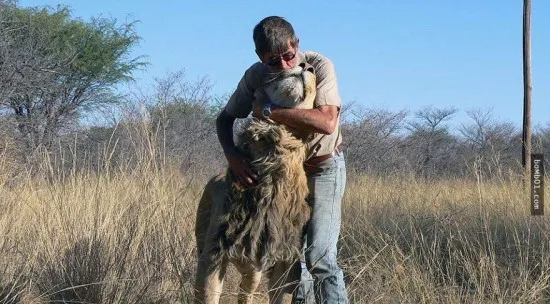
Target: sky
x,y
388,54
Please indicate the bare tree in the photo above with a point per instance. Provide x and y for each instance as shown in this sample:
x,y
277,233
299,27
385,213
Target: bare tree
x,y
184,114
372,140
174,124
430,147
490,145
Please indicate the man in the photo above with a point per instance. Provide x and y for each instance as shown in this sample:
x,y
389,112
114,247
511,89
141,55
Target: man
x,y
277,47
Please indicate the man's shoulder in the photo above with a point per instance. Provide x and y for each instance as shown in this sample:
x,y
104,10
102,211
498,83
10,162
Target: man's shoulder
x,y
257,68
254,75
323,65
315,58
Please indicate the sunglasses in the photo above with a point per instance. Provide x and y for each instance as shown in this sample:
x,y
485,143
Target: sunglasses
x,y
276,60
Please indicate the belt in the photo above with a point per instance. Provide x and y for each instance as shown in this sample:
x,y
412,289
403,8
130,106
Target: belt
x,y
310,165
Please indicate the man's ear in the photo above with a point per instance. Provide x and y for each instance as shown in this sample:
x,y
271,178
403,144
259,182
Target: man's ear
x,y
297,42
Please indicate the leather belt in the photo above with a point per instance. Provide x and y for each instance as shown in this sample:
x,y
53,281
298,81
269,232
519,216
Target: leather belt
x,y
311,164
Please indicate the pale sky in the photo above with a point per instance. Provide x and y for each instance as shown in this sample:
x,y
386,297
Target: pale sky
x,y
390,55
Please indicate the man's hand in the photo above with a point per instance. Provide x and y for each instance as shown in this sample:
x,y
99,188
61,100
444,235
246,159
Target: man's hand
x,y
241,169
237,164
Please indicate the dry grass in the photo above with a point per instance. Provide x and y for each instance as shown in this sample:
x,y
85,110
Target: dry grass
x,y
406,241
127,237
118,237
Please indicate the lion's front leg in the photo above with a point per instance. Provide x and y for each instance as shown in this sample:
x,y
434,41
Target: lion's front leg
x,y
250,281
283,280
209,279
212,263
208,210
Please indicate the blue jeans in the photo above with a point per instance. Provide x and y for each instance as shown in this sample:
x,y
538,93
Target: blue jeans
x,y
320,271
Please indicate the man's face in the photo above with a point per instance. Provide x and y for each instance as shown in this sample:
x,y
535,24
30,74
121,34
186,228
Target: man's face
x,y
280,62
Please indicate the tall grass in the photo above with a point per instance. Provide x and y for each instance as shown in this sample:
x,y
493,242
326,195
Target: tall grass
x,y
119,234
454,241
125,235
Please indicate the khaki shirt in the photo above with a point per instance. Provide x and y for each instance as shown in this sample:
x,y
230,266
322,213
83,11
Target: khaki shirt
x,y
249,89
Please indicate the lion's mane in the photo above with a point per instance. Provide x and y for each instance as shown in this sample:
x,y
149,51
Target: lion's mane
x,y
264,222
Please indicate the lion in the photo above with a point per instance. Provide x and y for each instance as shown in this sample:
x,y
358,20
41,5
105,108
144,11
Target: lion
x,y
259,229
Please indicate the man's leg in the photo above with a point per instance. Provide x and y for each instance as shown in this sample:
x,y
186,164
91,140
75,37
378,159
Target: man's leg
x,y
327,190
304,292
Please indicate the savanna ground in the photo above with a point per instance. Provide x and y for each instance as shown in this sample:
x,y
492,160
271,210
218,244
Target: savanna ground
x,y
125,235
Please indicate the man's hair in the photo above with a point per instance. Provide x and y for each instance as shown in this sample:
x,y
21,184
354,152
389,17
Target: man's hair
x,y
272,35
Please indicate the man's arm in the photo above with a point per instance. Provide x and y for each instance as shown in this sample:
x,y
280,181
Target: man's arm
x,y
322,119
239,106
237,164
224,130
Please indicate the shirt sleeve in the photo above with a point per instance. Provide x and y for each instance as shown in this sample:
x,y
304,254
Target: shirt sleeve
x,y
327,85
240,102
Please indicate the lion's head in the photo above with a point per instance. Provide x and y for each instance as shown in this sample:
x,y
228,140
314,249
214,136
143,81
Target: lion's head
x,y
293,88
